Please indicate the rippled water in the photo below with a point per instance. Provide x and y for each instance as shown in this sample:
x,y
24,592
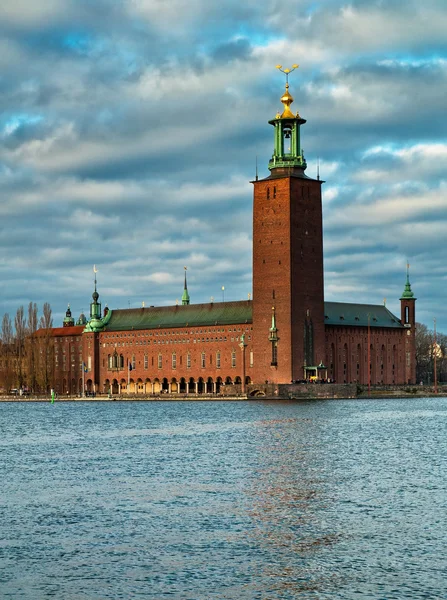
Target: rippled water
x,y
243,500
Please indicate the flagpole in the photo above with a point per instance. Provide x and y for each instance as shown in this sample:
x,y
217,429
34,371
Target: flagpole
x,y
83,380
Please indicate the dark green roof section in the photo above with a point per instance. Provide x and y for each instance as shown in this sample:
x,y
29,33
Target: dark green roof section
x,y
234,313
343,313
191,315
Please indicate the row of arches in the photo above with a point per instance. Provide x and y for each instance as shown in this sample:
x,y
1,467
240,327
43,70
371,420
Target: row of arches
x,y
169,386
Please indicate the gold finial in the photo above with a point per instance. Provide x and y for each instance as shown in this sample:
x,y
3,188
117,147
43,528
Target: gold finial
x,y
286,98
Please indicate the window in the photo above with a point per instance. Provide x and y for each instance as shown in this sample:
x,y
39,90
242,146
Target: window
x,y
251,358
274,191
203,360
407,315
217,360
268,193
146,361
233,358
133,362
174,360
188,361
160,361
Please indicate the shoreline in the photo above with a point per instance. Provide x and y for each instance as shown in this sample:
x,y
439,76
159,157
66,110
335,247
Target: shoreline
x,y
204,398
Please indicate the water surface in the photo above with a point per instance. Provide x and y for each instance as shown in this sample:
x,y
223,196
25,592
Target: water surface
x,y
226,500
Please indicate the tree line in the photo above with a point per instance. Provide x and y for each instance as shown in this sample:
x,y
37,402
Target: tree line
x,y
27,359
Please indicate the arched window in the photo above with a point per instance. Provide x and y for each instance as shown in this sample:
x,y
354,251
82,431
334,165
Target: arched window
x,y
217,360
233,358
203,360
174,360
160,361
188,361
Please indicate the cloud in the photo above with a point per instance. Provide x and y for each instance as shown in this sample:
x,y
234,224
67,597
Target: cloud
x,y
130,133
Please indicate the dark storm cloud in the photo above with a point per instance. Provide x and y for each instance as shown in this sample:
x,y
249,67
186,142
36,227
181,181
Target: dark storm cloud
x,y
129,132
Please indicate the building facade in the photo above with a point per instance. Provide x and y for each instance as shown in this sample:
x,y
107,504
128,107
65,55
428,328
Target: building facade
x,y
287,332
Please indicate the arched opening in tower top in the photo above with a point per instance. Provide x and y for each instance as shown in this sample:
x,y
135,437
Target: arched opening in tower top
x,y
287,134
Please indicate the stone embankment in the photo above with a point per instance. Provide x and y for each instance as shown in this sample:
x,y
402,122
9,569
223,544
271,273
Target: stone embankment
x,y
268,391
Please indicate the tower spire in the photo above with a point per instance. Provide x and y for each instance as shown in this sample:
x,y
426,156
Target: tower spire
x,y
95,306
185,295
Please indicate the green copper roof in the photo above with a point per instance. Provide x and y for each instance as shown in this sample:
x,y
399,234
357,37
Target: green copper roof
x,y
233,313
97,323
192,315
407,293
342,313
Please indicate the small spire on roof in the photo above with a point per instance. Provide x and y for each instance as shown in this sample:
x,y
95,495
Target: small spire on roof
x,y
185,295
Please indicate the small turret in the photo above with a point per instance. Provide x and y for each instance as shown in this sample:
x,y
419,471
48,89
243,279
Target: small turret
x,y
68,320
407,293
407,303
82,319
95,323
408,320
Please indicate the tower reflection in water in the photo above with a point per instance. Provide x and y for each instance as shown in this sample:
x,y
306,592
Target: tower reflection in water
x,y
291,510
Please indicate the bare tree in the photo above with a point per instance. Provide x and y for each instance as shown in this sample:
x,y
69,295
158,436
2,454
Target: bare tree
x,y
19,345
31,347
45,374
7,373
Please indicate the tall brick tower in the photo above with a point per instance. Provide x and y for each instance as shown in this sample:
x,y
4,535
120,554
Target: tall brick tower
x,y
288,300
408,319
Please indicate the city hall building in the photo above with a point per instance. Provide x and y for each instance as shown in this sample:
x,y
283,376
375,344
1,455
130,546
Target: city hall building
x,y
286,333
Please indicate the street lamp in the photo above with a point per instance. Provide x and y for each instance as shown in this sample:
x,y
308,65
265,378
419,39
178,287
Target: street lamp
x,y
242,346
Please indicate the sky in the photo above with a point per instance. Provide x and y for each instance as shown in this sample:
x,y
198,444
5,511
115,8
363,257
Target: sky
x,y
129,131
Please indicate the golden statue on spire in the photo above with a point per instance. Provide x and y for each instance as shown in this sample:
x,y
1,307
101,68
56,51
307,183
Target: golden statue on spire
x,y
287,98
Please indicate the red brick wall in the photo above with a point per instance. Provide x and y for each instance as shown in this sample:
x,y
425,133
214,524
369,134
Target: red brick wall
x,y
287,274
408,317
135,345
67,364
343,355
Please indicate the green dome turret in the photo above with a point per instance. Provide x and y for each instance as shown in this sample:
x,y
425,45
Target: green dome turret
x,y
82,319
287,152
407,294
96,322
